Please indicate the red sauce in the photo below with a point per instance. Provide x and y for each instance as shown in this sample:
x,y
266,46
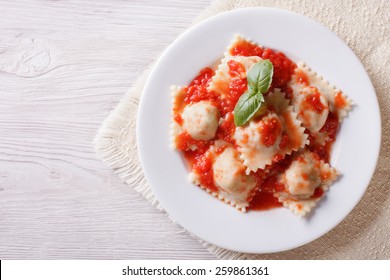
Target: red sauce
x,y
302,78
246,49
271,184
237,87
285,140
318,192
264,201
264,198
185,141
236,69
226,128
289,92
277,157
330,128
270,131
294,136
238,84
177,117
313,101
203,77
283,67
197,89
203,165
340,101
267,182
321,150
331,125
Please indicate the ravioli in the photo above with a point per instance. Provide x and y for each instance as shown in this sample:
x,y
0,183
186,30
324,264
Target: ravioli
x,y
305,181
195,120
200,120
281,156
271,137
314,98
312,107
231,184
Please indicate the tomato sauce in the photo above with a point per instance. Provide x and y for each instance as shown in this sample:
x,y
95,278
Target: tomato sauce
x,y
203,165
177,117
330,128
313,101
283,67
270,131
340,101
302,78
236,69
201,161
226,128
318,192
294,137
185,141
197,89
237,87
264,201
285,140
238,83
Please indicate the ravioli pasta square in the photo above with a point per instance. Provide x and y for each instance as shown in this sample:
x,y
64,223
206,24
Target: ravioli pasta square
x,y
316,101
271,137
305,181
193,123
256,132
229,182
306,81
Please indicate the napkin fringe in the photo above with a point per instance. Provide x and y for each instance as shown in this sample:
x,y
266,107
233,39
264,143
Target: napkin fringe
x,y
117,134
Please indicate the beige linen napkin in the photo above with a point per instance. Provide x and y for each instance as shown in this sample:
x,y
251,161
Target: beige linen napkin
x,y
365,233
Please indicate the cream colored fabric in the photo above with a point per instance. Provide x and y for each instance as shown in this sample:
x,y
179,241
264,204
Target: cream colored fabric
x,y
365,27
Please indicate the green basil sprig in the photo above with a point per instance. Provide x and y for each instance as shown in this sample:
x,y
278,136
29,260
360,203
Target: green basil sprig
x,y
259,79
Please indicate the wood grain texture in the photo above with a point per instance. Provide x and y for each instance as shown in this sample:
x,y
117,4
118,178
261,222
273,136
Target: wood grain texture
x,y
63,66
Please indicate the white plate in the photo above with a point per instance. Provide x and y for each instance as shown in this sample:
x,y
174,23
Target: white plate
x,y
354,154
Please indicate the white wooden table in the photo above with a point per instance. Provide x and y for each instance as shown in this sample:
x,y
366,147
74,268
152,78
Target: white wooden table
x,y
64,65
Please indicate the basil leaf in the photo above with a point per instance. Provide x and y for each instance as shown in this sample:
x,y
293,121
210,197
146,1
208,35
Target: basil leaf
x,y
259,80
260,76
247,105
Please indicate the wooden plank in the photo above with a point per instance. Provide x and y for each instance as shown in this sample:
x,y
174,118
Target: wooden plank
x,y
63,66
